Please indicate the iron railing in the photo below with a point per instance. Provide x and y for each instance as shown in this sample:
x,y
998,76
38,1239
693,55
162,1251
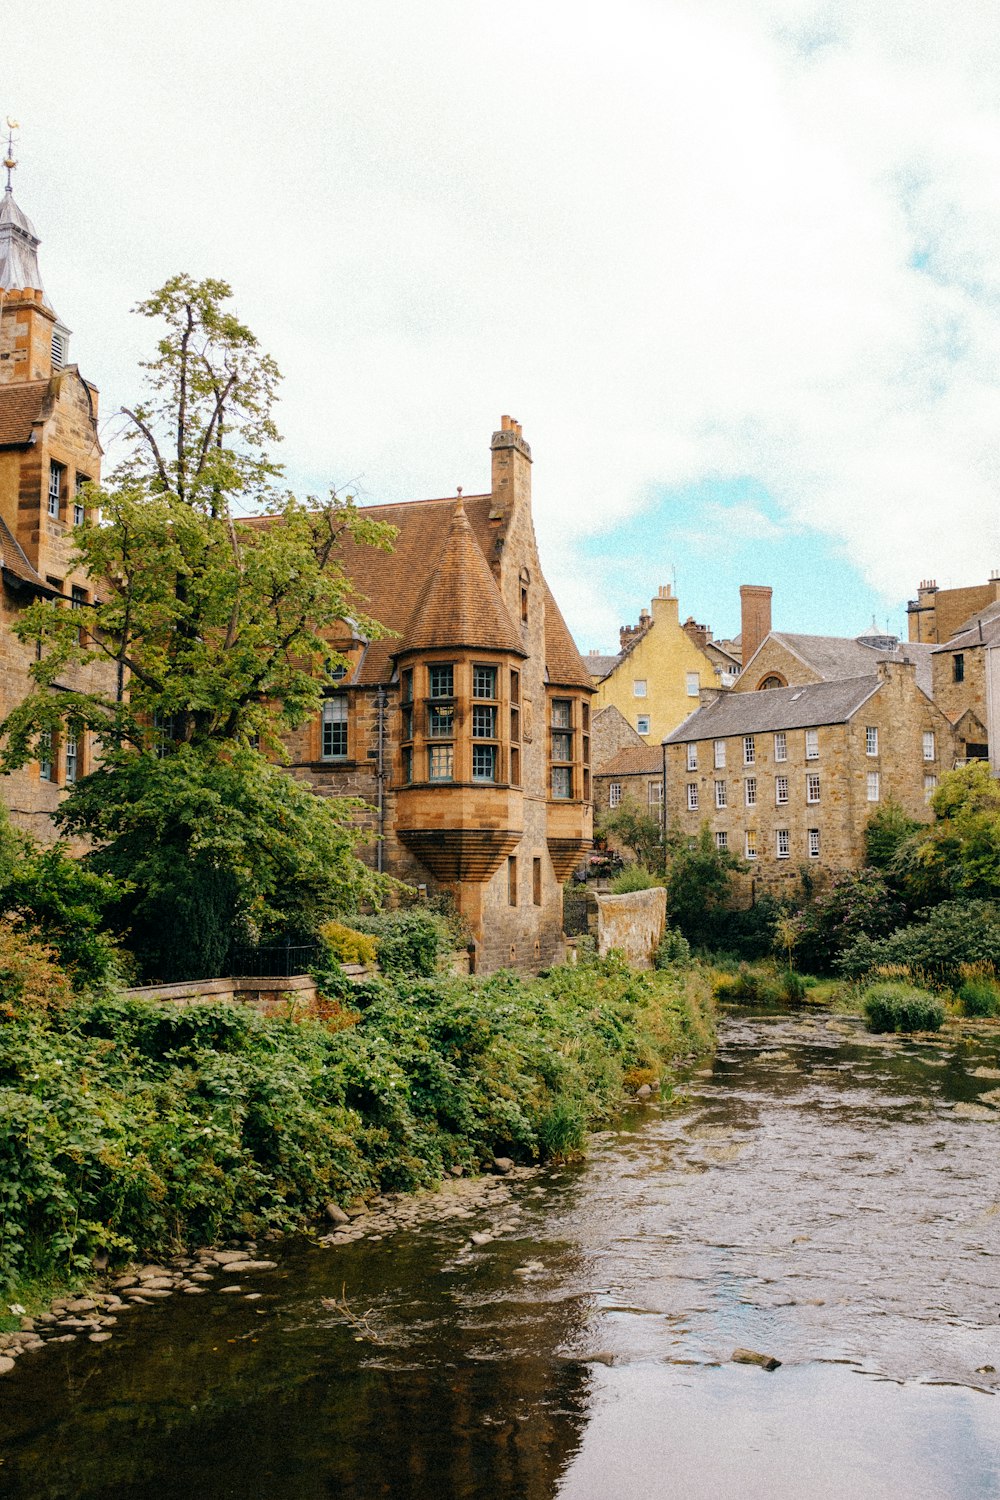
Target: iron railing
x,y
279,960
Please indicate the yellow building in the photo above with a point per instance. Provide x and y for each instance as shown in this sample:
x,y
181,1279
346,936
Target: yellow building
x,y
656,680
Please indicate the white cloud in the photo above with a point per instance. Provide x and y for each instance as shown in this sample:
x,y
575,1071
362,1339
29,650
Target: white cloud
x,y
749,238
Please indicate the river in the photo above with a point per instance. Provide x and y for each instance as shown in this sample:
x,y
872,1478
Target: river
x,y
817,1194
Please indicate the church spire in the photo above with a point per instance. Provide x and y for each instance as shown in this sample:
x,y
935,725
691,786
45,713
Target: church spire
x,y
18,240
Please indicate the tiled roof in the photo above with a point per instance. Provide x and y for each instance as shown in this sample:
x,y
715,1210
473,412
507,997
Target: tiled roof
x,y
20,408
563,662
12,558
839,656
462,604
634,760
600,666
982,629
779,708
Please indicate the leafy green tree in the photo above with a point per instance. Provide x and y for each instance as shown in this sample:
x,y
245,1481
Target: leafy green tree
x,y
959,854
858,904
887,831
700,886
214,625
633,829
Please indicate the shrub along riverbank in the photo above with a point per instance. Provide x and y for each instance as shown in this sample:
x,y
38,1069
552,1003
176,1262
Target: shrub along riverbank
x,y
135,1129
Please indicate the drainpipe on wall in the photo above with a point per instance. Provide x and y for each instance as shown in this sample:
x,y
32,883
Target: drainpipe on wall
x,y
663,807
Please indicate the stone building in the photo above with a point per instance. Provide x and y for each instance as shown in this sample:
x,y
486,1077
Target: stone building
x,y
626,769
789,777
935,615
49,449
966,687
467,730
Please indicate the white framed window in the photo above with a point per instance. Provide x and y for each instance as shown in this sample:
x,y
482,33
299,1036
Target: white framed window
x,y
45,756
750,791
722,839
719,751
79,512
692,757
749,750
813,843
780,790
930,749
930,787
639,687
692,796
56,472
782,843
693,684
812,787
72,755
750,844
872,786
562,783
615,794
642,724
334,745
720,794
654,799
781,745
871,740
812,744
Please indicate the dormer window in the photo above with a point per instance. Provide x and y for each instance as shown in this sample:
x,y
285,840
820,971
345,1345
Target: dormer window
x,y
56,472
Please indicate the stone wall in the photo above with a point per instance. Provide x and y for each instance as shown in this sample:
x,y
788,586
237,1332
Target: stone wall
x,y
632,924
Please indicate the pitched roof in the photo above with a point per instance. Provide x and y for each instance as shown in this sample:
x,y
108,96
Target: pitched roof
x,y
981,629
563,662
598,665
840,656
13,559
462,605
780,708
20,408
634,760
18,248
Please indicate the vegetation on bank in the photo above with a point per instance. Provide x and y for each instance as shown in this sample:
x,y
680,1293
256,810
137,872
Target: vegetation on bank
x,y
136,1128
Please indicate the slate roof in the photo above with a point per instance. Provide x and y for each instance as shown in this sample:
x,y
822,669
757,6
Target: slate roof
x,y
804,707
21,406
13,559
600,666
839,656
981,629
18,248
634,760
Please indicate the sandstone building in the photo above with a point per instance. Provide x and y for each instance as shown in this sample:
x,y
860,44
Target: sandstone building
x,y
468,730
49,449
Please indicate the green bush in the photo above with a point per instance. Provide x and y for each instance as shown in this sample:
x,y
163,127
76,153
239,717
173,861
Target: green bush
x,y
411,944
892,1006
347,945
760,984
980,997
634,878
952,935
673,950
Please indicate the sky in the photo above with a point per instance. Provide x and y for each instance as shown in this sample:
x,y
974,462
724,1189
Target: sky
x,y
733,264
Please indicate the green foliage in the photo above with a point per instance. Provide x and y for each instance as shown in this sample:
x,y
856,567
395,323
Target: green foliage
x,y
672,951
954,934
30,978
633,878
630,826
980,996
959,855
892,1006
141,1128
858,904
347,945
888,830
411,944
700,887
760,984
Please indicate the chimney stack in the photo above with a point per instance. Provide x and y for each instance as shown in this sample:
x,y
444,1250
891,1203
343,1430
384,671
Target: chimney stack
x,y
755,616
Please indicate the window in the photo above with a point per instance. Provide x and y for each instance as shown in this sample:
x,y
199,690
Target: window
x,y
562,713
654,799
515,687
771,682
720,794
515,766
72,754
871,740
484,722
958,667
639,687
407,764
749,750
484,762
515,722
55,489
536,881
780,790
440,721
719,753
930,750
562,745
692,796
722,839
524,605
440,763
872,786
812,744
334,746
750,791
812,787
781,745
79,511
813,837
615,794
58,349
930,786
782,843
45,755
441,681
406,721
164,733
562,783
642,724
693,684
406,683
692,757
750,844
78,598
512,880
484,682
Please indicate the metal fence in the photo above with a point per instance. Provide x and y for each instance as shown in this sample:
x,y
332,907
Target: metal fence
x,y
281,960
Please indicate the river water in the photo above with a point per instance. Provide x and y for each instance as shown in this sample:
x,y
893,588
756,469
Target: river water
x,y
818,1194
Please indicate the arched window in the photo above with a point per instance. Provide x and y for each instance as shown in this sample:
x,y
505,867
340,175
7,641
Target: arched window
x,y
771,681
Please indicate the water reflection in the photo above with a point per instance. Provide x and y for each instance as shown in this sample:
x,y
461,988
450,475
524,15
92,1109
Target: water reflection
x,y
821,1195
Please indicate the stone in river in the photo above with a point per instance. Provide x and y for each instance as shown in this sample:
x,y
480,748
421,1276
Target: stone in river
x,y
336,1214
99,1338
502,1165
230,1289
6,1364
751,1357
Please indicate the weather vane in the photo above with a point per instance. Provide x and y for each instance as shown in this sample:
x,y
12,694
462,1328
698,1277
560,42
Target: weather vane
x,y
10,161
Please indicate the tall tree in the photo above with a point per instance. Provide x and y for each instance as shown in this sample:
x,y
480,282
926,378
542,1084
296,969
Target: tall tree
x,y
217,593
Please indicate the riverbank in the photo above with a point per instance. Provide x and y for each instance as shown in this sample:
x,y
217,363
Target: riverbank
x,y
135,1131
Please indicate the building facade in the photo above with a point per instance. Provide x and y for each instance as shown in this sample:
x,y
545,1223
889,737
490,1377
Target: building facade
x,y
467,731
